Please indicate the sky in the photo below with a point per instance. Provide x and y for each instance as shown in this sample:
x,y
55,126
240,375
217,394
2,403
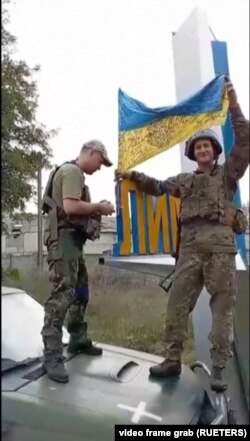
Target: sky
x,y
87,49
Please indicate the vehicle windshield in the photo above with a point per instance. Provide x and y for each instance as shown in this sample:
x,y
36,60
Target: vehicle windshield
x,y
22,321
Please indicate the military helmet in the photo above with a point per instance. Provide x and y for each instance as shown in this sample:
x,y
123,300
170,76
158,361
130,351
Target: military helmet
x,y
208,134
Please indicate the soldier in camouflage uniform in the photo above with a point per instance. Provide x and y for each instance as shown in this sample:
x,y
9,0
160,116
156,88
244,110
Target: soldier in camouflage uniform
x,y
72,219
208,220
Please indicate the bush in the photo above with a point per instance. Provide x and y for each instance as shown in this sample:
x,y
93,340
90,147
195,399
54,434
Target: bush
x,y
10,275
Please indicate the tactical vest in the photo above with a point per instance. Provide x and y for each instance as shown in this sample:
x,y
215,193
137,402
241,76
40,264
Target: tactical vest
x,y
90,226
210,197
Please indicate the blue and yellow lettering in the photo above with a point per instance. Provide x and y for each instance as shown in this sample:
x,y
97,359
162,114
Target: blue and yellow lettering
x,y
145,225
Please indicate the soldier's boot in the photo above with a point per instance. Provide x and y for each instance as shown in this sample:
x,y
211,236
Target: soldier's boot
x,y
167,368
81,344
217,382
55,368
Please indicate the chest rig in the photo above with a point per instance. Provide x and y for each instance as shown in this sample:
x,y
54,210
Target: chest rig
x,y
210,197
88,226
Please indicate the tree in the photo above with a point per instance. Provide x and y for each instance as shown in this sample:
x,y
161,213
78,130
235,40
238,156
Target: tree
x,y
25,142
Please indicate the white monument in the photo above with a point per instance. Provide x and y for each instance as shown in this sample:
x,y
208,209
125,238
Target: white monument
x,y
193,65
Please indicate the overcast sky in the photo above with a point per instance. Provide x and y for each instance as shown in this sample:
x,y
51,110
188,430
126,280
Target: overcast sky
x,y
87,49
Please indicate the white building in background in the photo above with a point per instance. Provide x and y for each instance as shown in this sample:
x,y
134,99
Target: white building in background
x,y
27,241
194,33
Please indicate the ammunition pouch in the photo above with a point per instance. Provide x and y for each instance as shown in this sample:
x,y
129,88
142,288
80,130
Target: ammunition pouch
x,y
240,222
235,218
224,213
93,228
208,199
87,228
93,224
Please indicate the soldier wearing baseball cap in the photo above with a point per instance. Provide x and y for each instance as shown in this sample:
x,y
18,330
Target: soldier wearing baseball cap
x,y
98,146
72,219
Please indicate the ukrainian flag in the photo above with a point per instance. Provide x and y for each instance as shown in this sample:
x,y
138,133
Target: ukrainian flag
x,y
145,132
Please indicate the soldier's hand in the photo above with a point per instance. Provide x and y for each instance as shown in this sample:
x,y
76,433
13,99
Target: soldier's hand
x,y
122,175
105,200
106,208
232,96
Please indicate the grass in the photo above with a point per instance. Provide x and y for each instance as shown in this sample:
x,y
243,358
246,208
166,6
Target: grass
x,y
125,309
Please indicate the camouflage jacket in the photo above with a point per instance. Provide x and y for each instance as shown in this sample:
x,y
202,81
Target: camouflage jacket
x,y
208,216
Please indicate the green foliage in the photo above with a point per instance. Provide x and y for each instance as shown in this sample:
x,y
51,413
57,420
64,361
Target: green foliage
x,y
10,274
20,217
25,142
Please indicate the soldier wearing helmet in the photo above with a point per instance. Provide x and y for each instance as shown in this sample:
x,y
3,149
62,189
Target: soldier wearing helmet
x,y
208,222
206,135
72,219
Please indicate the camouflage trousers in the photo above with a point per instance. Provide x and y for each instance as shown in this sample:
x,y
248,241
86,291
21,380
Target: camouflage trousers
x,y
69,291
217,272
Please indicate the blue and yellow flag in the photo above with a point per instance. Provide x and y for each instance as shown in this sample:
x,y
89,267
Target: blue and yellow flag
x,y
145,132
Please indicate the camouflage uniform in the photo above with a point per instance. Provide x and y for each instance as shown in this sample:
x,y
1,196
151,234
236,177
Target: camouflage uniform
x,y
67,270
70,292
207,249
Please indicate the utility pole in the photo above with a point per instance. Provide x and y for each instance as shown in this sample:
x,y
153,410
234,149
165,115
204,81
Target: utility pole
x,y
39,220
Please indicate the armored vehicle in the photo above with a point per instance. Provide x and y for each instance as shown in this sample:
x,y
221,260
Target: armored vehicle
x,y
104,391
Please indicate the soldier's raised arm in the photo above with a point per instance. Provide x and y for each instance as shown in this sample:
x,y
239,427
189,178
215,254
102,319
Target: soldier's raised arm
x,y
238,160
152,186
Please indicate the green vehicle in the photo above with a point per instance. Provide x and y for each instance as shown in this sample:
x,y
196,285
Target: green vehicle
x,y
232,407
104,391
